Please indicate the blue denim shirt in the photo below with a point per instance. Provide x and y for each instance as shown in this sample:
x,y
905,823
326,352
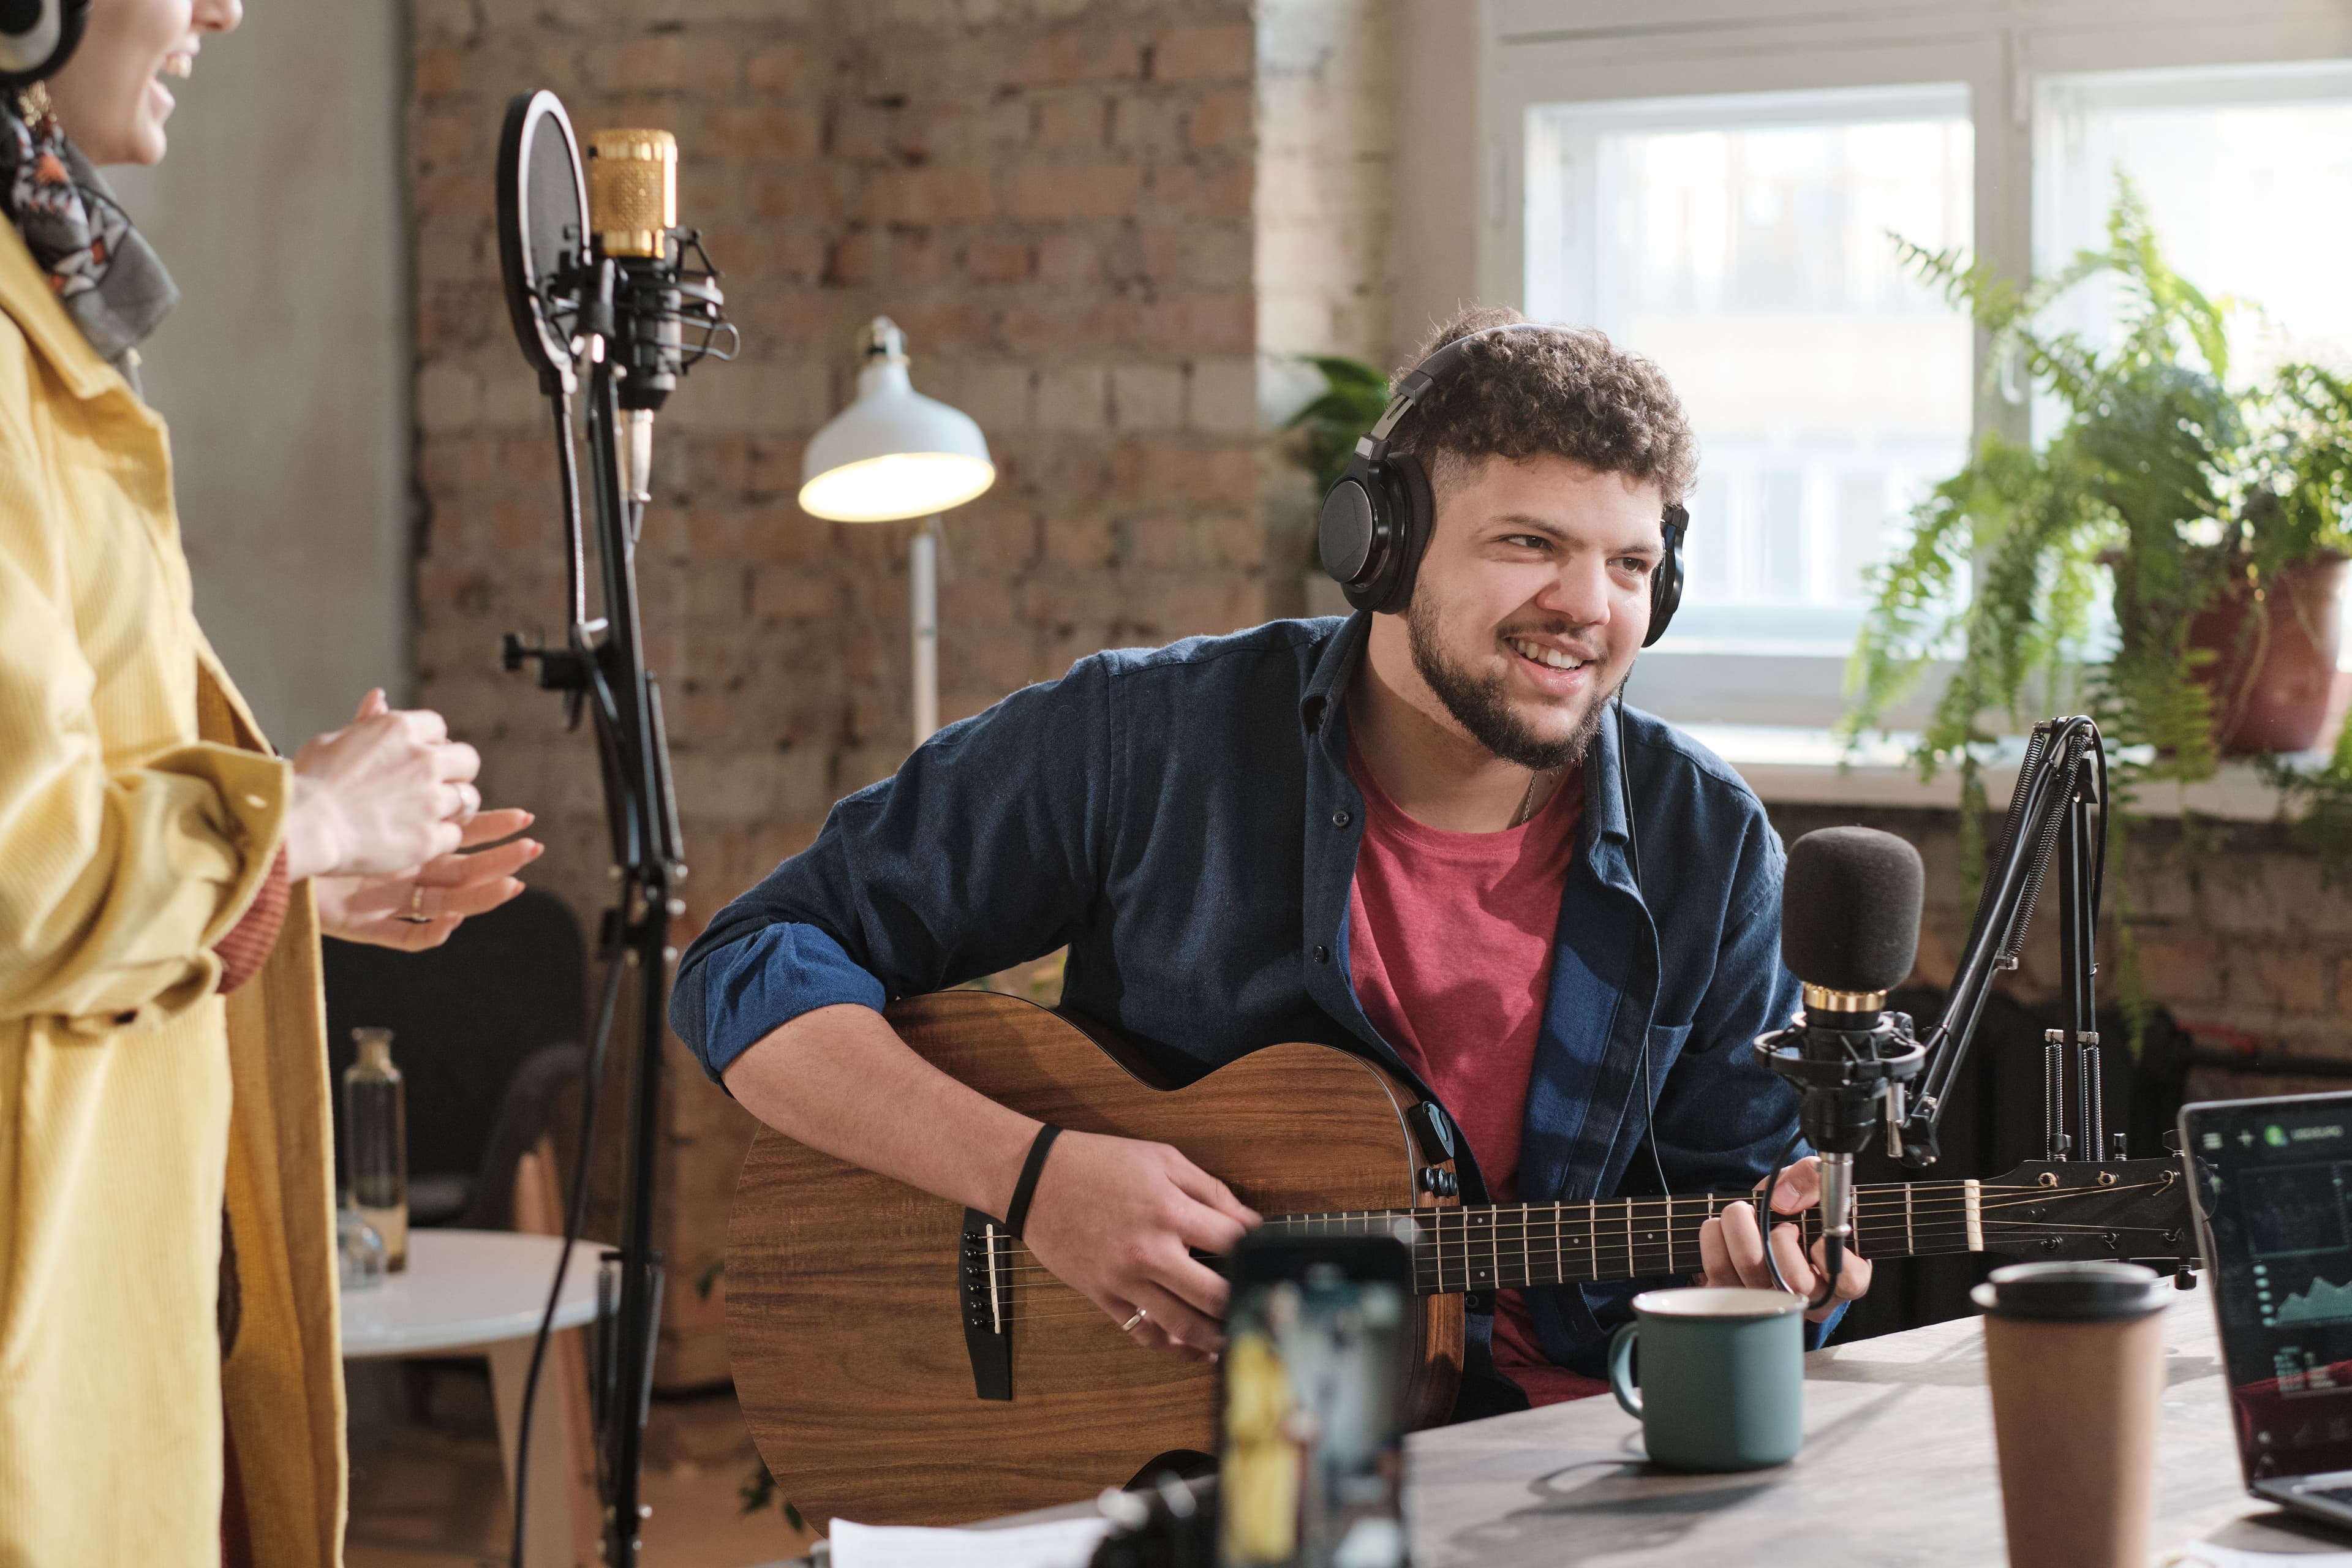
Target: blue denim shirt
x,y
1183,819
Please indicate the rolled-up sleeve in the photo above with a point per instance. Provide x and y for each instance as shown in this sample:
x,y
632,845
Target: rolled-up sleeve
x,y
745,990
982,852
114,882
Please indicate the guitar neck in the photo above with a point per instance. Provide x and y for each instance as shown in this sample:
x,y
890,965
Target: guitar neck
x,y
1514,1245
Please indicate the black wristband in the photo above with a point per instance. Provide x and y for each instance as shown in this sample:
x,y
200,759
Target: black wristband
x,y
1026,1187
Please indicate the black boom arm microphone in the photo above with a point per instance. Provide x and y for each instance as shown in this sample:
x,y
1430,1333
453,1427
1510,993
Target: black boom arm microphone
x,y
604,289
1849,928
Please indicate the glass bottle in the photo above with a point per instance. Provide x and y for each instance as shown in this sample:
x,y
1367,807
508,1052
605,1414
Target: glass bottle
x,y
359,1255
375,1133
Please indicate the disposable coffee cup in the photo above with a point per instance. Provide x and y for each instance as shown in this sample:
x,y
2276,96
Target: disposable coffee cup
x,y
2074,1352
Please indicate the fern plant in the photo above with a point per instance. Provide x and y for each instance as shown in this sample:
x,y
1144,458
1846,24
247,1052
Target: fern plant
x,y
2163,487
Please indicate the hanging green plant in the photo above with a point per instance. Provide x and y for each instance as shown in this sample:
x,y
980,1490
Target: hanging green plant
x,y
2193,510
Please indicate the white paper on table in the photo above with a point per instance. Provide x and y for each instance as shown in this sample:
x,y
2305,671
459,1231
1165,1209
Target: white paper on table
x,y
1058,1543
2206,1554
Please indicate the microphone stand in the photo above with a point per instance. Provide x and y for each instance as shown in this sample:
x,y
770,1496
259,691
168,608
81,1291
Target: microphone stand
x,y
1852,1064
603,668
2064,777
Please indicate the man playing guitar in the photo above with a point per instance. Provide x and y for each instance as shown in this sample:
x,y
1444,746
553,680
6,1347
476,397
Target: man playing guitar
x,y
1416,834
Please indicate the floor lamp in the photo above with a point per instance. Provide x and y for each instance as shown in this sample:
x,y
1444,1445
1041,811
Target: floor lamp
x,y
894,454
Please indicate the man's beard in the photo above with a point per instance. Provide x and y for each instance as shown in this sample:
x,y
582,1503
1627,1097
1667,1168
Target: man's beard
x,y
1478,704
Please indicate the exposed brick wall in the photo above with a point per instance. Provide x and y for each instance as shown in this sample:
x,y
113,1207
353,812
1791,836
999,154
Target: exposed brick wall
x,y
1102,225
1052,198
1325,165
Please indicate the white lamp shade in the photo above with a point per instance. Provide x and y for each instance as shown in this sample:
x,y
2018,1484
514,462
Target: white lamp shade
x,y
893,453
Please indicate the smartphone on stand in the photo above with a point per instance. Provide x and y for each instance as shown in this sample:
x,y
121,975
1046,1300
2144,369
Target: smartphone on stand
x,y
1319,1347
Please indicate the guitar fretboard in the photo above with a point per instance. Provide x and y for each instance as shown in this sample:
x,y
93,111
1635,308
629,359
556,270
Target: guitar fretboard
x,y
1514,1245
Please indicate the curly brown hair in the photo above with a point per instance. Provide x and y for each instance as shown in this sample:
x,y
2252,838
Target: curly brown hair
x,y
1567,391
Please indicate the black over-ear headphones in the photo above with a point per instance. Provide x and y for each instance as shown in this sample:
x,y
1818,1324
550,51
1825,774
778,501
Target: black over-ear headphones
x,y
35,36
1377,516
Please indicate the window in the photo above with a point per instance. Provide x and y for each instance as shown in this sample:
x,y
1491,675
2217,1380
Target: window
x,y
2247,175
1742,242
1713,182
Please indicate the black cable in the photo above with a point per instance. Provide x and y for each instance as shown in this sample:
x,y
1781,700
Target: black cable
x,y
1633,856
567,468
1764,1213
573,1219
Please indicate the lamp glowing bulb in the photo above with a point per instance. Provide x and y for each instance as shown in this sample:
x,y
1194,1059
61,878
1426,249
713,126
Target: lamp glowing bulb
x,y
893,453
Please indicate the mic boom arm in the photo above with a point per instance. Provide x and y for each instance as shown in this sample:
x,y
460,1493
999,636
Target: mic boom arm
x,y
2063,779
615,301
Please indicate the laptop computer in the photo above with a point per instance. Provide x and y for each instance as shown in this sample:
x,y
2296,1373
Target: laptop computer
x,y
2271,1184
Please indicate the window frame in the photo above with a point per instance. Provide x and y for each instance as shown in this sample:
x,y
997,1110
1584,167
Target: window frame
x,y
1541,52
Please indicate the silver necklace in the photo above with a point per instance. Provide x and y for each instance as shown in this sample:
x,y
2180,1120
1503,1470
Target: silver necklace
x,y
1526,802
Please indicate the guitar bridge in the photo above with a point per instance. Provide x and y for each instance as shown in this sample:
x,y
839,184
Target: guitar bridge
x,y
985,1291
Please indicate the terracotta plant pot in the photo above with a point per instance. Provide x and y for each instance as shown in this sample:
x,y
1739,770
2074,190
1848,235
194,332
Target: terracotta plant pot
x,y
2275,658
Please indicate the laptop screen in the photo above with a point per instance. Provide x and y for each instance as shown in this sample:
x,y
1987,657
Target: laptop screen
x,y
2273,1187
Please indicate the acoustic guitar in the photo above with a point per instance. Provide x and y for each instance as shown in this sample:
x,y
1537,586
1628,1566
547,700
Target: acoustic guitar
x,y
901,1360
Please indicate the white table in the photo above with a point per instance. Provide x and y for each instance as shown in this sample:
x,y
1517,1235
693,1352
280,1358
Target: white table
x,y
1897,1470
481,1292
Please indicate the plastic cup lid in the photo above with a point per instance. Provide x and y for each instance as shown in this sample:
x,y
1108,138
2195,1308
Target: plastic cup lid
x,y
2078,1291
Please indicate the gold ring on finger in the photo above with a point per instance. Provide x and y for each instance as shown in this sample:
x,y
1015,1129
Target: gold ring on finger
x,y
1129,1327
414,914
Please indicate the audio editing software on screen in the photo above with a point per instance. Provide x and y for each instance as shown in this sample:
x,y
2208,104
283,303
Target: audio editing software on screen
x,y
2277,1179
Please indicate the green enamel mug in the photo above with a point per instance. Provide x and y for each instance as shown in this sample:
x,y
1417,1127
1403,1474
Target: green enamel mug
x,y
1723,1376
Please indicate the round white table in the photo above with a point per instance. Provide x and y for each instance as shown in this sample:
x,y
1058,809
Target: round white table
x,y
482,1291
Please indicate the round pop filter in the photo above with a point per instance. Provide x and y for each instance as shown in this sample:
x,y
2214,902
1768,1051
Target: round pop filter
x,y
542,230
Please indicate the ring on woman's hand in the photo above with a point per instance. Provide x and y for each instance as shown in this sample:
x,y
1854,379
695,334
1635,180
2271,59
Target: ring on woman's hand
x,y
416,915
1129,1327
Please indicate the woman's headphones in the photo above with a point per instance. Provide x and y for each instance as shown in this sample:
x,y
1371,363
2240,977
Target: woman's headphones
x,y
1377,516
35,36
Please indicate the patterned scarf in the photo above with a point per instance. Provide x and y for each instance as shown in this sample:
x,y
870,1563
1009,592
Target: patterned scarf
x,y
110,280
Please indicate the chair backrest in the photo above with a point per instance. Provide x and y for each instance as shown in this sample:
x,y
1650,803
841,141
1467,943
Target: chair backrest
x,y
464,1016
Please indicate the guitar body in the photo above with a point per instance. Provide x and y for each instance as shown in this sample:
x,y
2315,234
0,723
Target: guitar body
x,y
848,1326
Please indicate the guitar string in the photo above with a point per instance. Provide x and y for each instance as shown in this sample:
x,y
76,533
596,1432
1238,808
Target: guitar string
x,y
1079,1308
1676,1212
1540,1269
1431,1275
1429,1280
1645,1258
1520,1229
1477,1248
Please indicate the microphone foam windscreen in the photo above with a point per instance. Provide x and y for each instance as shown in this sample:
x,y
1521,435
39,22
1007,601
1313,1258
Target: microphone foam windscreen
x,y
1850,908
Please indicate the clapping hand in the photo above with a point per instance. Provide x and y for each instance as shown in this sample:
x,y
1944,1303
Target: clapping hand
x,y
416,910
388,827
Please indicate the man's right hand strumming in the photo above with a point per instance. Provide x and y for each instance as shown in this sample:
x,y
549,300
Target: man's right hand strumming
x,y
1115,1218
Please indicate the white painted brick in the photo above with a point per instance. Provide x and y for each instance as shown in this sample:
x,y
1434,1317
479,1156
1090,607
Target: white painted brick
x,y
756,397
1073,397
1223,397
448,399
1148,396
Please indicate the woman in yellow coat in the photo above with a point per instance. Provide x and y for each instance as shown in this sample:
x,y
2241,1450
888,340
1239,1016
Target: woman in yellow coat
x,y
153,847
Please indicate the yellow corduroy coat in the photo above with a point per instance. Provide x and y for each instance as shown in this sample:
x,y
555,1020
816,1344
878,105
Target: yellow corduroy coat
x,y
140,810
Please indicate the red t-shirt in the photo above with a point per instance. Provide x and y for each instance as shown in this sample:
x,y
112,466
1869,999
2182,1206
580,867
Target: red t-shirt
x,y
1450,945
